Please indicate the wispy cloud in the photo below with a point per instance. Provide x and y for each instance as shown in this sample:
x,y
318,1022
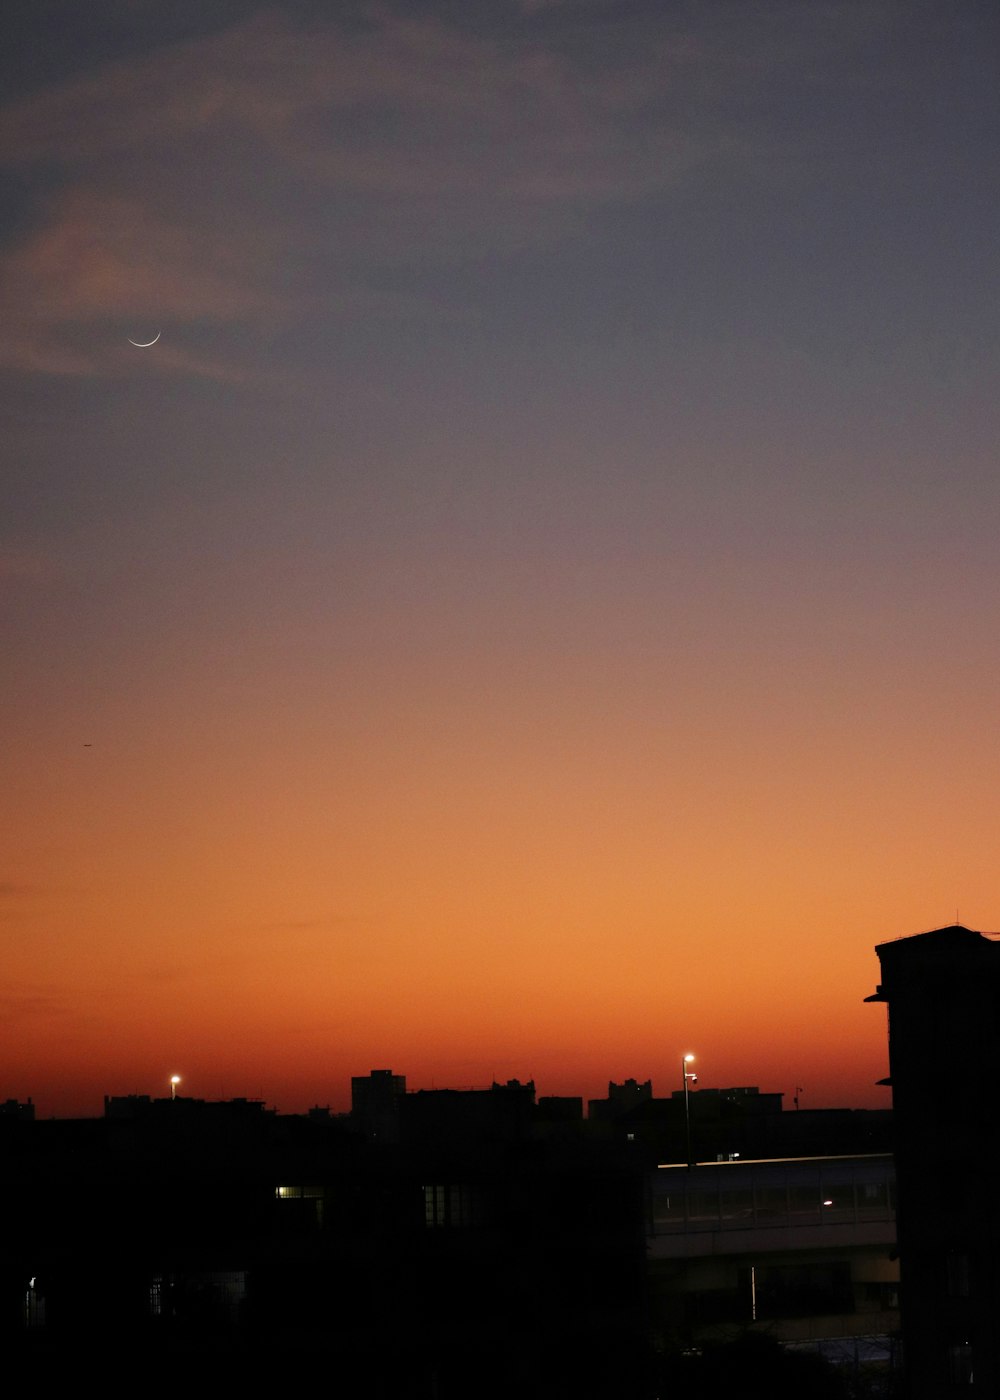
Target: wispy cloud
x,y
232,178
106,258
105,255
401,104
253,176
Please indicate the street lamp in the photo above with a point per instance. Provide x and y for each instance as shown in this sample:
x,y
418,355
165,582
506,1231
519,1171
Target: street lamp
x,y
175,1079
687,1078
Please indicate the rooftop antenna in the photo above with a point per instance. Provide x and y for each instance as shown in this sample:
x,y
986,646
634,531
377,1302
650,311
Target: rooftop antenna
x,y
795,1101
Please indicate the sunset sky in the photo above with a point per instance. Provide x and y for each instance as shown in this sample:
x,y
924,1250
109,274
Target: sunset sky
x,y
536,609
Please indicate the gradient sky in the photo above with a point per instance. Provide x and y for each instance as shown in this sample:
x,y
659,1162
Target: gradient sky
x,y
535,611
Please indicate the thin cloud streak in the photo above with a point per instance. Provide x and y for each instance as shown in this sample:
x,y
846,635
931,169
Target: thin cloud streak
x,y
103,260
402,139
273,172
386,109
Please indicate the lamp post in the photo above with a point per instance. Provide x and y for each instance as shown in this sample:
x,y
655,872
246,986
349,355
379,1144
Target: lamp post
x,y
687,1078
175,1079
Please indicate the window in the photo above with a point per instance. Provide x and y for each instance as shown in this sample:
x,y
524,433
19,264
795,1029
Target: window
x,y
771,1203
804,1290
301,1207
208,1300
452,1206
668,1211
882,1296
737,1206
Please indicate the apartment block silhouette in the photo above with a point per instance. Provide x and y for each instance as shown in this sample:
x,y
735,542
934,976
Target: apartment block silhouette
x,y
942,991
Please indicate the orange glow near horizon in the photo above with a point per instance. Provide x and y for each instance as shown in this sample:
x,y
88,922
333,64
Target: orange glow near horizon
x,y
569,877
534,611
489,901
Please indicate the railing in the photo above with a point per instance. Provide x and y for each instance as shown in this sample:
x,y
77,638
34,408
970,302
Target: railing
x,y
768,1195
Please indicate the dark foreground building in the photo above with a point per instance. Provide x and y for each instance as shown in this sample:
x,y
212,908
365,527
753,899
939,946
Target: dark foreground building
x,y
942,990
180,1236
444,1243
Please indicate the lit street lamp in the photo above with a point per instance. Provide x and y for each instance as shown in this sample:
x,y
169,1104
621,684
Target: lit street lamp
x,y
175,1079
687,1078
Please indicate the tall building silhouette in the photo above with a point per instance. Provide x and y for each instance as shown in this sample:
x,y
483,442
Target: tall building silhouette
x,y
375,1100
942,990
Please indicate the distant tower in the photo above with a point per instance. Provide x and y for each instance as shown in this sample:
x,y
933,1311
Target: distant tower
x,y
942,990
375,1104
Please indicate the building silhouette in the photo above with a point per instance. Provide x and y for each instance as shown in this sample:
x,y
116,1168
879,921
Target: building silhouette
x,y
942,991
442,1242
622,1098
375,1102
24,1112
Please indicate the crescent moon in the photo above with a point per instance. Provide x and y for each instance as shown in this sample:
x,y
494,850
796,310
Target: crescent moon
x,y
144,344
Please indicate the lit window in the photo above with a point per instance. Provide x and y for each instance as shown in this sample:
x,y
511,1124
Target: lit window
x,y
304,1210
